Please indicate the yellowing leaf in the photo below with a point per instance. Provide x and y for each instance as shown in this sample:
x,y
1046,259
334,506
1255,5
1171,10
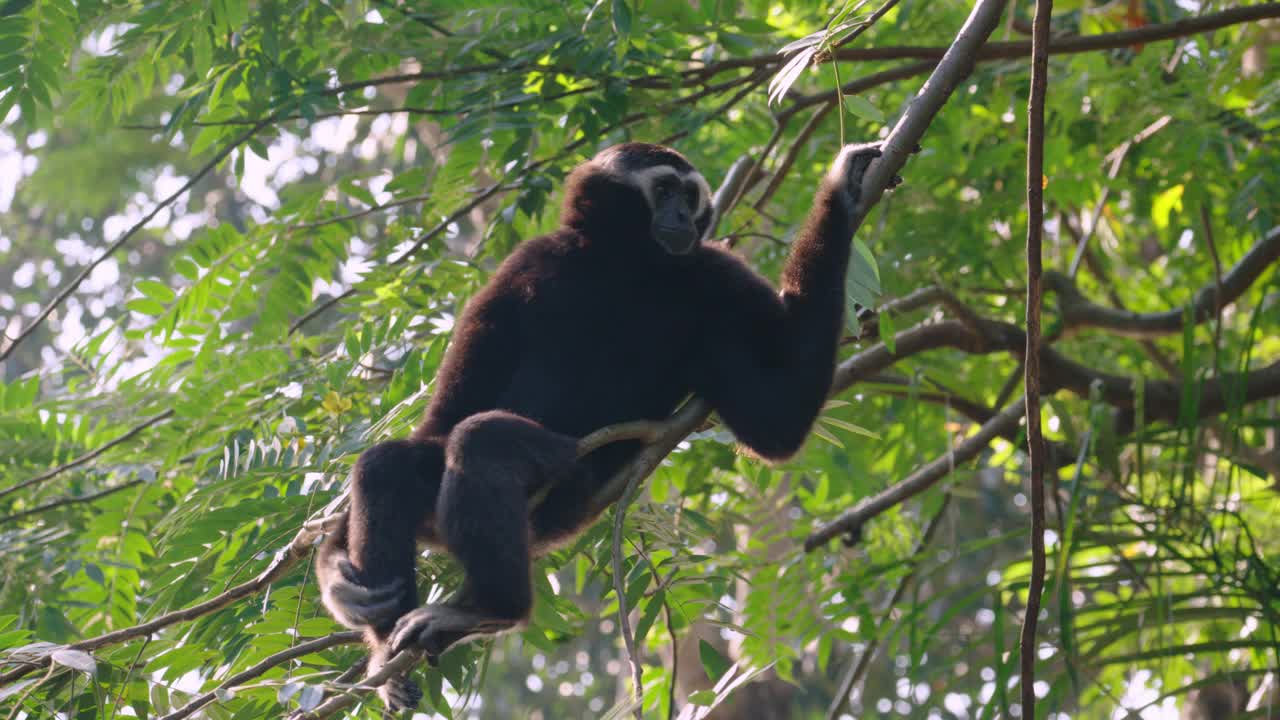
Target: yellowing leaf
x,y
1165,203
335,404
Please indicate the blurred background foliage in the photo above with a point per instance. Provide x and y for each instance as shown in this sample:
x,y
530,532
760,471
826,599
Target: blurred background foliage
x,y
210,382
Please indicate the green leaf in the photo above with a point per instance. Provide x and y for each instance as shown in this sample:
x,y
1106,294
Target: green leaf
x,y
888,332
713,662
862,108
154,290
862,283
845,425
145,306
705,698
621,17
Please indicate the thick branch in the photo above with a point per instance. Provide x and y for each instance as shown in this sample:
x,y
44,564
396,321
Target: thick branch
x,y
1163,402
1079,312
955,66
1021,50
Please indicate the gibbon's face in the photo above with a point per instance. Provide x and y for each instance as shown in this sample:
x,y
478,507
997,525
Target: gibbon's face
x,y
678,197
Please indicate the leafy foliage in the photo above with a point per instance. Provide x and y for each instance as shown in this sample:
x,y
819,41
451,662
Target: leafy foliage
x,y
208,387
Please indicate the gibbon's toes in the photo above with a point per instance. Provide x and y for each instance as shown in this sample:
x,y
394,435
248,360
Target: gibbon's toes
x,y
894,182
413,629
399,694
432,628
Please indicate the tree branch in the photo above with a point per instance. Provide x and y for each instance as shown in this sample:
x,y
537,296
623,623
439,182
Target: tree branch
x,y
54,472
850,522
1031,356
403,662
75,283
1183,27
70,500
346,637
284,559
1078,312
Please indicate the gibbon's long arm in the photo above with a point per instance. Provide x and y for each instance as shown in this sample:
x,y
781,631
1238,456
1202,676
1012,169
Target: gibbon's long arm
x,y
768,358
483,354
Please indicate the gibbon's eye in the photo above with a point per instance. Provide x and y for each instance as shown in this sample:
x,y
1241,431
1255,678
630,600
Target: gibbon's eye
x,y
691,193
663,190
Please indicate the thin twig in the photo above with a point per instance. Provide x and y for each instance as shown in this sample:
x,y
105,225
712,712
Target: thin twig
x,y
1031,383
646,431
453,217
1219,299
397,666
849,524
858,669
84,273
789,159
355,215
54,472
347,637
70,500
675,659
619,589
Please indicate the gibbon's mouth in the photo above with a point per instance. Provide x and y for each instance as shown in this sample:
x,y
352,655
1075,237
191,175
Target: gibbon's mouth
x,y
678,240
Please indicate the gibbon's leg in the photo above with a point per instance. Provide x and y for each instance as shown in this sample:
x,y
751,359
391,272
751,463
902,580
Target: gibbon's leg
x,y
495,461
366,567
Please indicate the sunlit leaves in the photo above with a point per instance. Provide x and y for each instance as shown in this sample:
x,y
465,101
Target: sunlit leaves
x,y
1165,203
270,413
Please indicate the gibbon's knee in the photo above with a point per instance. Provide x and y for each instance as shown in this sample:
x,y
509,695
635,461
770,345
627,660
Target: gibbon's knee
x,y
382,470
499,442
479,436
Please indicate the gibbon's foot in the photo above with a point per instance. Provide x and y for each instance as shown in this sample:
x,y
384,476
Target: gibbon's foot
x,y
399,694
354,604
435,628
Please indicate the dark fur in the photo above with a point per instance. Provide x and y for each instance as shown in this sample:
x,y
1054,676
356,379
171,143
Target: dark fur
x,y
592,325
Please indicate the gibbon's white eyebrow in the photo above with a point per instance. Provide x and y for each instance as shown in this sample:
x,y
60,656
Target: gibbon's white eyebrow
x,y
644,180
